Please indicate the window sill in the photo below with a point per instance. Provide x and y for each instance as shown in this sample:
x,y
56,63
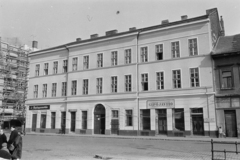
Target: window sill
x,y
227,89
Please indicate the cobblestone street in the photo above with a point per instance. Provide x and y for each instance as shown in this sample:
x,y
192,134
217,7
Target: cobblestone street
x,y
63,147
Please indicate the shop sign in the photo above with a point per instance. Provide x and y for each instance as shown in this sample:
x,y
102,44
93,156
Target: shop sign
x,y
41,107
208,120
161,104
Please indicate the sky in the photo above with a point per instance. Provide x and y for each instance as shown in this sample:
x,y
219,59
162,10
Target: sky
x,y
57,22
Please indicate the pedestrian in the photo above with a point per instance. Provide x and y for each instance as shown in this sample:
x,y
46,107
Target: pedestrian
x,y
4,153
220,132
12,138
63,128
17,152
3,138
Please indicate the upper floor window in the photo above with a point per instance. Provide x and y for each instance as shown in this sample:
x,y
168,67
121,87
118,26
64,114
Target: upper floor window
x,y
85,86
114,58
128,83
128,56
37,70
44,90
74,63
193,49
54,89
226,78
176,78
99,85
194,77
144,54
65,66
74,87
160,80
145,82
45,68
100,60
35,92
114,84
175,49
64,88
159,51
55,67
85,62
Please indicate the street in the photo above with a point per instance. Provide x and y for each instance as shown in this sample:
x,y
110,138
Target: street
x,y
62,147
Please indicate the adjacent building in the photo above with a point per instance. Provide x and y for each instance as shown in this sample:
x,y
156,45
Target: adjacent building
x,y
226,56
156,80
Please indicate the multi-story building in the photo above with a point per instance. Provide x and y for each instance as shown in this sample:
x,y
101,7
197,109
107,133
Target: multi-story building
x,y
226,56
149,81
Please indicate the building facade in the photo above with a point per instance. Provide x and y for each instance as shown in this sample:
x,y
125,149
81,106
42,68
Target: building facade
x,y
226,56
151,81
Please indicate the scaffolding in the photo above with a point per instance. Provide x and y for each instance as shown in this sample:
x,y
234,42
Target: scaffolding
x,y
14,67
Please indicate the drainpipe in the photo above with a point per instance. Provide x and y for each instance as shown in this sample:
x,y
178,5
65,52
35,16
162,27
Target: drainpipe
x,y
208,111
137,81
66,97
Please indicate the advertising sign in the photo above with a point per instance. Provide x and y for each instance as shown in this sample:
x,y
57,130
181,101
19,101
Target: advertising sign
x,y
40,107
169,103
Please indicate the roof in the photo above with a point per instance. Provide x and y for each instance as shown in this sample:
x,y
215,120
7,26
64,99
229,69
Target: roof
x,y
227,44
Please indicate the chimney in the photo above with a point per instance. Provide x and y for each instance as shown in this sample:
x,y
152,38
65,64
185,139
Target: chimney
x,y
132,28
165,21
222,27
112,32
184,17
34,44
94,36
78,39
209,11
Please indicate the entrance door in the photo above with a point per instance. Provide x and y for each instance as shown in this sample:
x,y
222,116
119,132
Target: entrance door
x,y
230,122
197,124
162,121
73,121
99,119
34,122
114,126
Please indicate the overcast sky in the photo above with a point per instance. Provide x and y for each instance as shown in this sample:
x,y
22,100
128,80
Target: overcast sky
x,y
56,22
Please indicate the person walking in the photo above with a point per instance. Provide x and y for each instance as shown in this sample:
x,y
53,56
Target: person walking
x,y
3,138
12,138
17,152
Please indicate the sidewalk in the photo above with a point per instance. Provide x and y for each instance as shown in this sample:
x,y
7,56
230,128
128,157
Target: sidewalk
x,y
198,138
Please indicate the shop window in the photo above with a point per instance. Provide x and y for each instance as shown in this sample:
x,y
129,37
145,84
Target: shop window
x,y
226,78
179,119
145,119
84,119
129,118
43,121
53,120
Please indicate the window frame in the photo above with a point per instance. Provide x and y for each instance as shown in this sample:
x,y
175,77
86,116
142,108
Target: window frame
x,y
53,125
86,62
128,85
114,86
163,81
45,72
114,58
113,115
85,87
64,89
197,50
128,56
143,82
74,87
127,115
157,52
99,87
146,58
55,68
54,92
65,66
99,60
225,69
194,77
74,63
44,90
35,91
84,119
173,80
37,72
175,49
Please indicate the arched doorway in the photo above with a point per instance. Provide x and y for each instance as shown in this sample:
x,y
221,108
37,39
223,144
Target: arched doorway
x,y
99,119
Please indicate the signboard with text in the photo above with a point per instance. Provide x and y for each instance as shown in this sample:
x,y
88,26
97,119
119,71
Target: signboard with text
x,y
40,107
169,103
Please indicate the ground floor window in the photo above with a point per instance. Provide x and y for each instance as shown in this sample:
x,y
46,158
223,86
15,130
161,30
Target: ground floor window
x,y
53,120
178,118
84,119
145,119
129,118
43,121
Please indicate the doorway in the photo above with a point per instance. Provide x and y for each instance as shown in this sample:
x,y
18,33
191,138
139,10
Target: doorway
x,y
162,121
73,121
34,122
230,123
99,119
197,124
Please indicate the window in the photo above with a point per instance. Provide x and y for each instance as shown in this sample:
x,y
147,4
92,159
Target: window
x,y
35,92
194,77
176,79
85,86
175,50
193,50
37,70
43,121
129,118
159,51
53,120
74,87
114,84
44,90
178,115
64,88
160,80
45,68
55,67
54,89
99,85
100,60
144,54
85,62
74,63
145,82
128,83
114,58
84,119
128,56
114,114
65,66
226,78
145,119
